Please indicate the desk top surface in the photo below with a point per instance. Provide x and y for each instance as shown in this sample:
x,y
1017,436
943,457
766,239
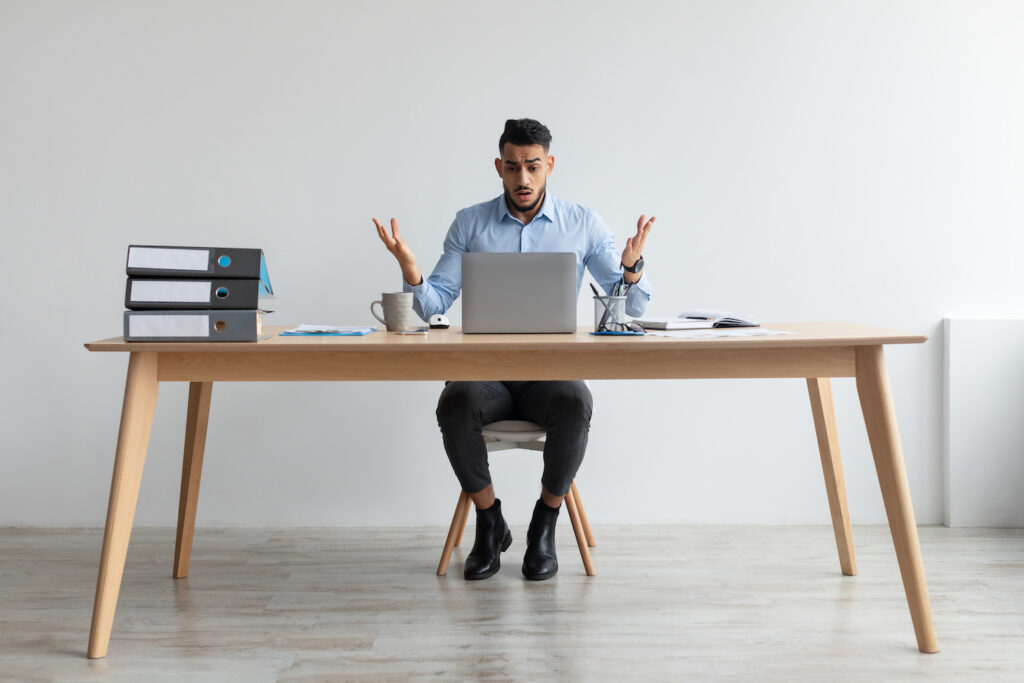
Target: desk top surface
x,y
807,334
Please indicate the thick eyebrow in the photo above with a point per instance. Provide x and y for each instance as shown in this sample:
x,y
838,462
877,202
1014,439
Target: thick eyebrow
x,y
516,163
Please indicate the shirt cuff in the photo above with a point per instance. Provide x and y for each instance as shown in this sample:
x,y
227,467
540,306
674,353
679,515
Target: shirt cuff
x,y
415,289
643,283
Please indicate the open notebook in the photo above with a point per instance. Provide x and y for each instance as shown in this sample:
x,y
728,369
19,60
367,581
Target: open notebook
x,y
696,320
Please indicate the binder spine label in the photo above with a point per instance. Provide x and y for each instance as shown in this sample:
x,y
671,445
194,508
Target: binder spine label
x,y
169,259
169,325
171,291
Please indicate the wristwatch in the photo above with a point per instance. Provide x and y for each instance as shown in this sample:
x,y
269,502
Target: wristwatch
x,y
636,267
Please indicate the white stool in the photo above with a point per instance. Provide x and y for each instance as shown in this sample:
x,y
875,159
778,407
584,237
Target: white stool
x,y
504,435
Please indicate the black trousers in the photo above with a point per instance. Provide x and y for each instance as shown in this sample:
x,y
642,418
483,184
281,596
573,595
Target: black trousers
x,y
563,408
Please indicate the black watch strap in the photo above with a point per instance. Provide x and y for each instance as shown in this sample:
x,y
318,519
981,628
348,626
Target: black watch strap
x,y
636,267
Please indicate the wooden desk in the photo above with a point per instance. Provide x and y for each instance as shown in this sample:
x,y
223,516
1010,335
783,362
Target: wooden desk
x,y
820,351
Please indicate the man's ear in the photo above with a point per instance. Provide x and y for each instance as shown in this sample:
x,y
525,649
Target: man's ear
x,y
497,167
551,163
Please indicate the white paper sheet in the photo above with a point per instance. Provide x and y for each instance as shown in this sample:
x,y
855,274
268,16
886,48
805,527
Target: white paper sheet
x,y
717,332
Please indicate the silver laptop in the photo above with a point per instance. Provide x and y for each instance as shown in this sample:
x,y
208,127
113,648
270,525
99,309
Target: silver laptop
x,y
534,292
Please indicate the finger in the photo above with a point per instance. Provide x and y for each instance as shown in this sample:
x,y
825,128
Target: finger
x,y
394,227
643,237
381,233
640,223
647,230
629,245
641,242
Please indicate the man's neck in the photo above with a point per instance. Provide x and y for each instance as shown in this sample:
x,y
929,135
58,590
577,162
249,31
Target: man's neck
x,y
525,217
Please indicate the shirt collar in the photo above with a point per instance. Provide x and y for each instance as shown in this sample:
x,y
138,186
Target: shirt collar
x,y
547,209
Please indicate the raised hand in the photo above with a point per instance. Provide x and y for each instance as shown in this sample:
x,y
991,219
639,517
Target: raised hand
x,y
399,248
635,244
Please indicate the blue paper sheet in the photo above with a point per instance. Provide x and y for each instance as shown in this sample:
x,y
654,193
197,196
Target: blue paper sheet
x,y
328,331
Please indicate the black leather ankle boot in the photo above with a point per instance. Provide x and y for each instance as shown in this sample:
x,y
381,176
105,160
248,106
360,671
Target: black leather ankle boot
x,y
540,561
492,539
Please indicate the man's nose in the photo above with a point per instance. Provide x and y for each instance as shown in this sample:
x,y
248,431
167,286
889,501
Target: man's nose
x,y
523,178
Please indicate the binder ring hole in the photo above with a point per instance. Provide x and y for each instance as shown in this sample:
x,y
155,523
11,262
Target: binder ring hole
x,y
224,261
222,292
220,326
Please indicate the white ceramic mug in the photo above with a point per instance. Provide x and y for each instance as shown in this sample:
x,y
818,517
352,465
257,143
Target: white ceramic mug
x,y
396,310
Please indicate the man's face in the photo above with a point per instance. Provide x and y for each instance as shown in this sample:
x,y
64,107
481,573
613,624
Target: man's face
x,y
524,171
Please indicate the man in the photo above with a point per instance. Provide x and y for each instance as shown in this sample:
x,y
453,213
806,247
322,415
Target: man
x,y
525,218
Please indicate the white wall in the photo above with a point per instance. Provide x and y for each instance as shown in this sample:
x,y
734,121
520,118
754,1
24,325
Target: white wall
x,y
833,160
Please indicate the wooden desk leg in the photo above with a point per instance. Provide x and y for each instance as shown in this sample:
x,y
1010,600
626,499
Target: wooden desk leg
x,y
880,419
136,420
823,409
196,421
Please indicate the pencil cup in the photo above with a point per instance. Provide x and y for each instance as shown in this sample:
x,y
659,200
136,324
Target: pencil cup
x,y
396,310
609,313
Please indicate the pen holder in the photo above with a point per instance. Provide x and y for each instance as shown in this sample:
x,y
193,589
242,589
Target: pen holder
x,y
609,313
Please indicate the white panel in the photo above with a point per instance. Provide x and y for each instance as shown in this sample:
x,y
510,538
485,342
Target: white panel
x,y
984,396
168,259
169,326
177,291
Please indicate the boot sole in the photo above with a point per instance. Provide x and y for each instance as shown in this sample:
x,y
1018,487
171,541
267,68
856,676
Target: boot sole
x,y
540,577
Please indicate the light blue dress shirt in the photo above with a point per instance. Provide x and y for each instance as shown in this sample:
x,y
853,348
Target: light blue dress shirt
x,y
558,226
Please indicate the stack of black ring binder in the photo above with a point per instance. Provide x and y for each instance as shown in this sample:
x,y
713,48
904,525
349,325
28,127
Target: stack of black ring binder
x,y
198,294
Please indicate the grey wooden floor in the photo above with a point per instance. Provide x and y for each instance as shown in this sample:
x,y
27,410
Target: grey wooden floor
x,y
669,602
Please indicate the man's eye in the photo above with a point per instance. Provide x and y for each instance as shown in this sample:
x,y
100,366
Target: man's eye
x,y
533,169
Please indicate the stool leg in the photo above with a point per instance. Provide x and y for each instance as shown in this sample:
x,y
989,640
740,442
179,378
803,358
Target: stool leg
x,y
583,514
581,538
462,522
458,520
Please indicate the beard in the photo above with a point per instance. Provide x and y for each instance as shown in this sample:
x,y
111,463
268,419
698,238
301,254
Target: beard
x,y
511,201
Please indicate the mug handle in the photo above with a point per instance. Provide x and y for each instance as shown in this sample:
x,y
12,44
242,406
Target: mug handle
x,y
374,313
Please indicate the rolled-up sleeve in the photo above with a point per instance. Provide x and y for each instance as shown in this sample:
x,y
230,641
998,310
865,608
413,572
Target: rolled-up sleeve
x,y
436,293
605,264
